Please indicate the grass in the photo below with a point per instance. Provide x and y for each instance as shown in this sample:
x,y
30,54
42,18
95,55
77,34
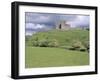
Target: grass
x,y
64,38
53,57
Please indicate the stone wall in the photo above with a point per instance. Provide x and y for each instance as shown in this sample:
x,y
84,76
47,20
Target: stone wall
x,y
62,25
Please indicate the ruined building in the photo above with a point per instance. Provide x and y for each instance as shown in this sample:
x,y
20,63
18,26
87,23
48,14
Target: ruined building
x,y
63,25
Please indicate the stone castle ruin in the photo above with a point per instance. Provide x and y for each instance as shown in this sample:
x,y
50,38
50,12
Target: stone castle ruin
x,y
63,25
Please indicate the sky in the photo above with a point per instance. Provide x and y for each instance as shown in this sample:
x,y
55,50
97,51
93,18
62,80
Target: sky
x,y
35,22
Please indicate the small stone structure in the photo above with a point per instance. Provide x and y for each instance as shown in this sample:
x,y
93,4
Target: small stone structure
x,y
63,25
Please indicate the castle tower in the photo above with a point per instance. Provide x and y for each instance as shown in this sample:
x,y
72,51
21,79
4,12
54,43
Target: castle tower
x,y
62,25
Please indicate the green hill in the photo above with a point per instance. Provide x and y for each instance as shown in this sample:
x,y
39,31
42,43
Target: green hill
x,y
63,38
38,52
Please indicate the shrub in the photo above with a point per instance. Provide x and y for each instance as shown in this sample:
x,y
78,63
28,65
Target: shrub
x,y
51,44
86,45
43,43
82,49
35,43
76,45
46,42
54,43
71,48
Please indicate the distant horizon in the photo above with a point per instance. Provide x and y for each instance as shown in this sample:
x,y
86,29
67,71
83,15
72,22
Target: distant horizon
x,y
35,22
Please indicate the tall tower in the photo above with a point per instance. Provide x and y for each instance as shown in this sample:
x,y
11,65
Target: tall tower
x,y
62,25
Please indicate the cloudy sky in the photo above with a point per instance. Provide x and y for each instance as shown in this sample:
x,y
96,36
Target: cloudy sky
x,y
45,21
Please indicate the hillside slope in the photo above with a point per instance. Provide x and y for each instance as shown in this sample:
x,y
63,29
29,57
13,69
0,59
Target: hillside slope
x,y
64,38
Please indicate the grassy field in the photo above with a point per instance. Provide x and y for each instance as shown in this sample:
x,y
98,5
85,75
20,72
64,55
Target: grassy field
x,y
60,55
65,38
53,57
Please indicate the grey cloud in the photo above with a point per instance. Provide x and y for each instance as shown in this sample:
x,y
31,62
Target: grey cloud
x,y
35,20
